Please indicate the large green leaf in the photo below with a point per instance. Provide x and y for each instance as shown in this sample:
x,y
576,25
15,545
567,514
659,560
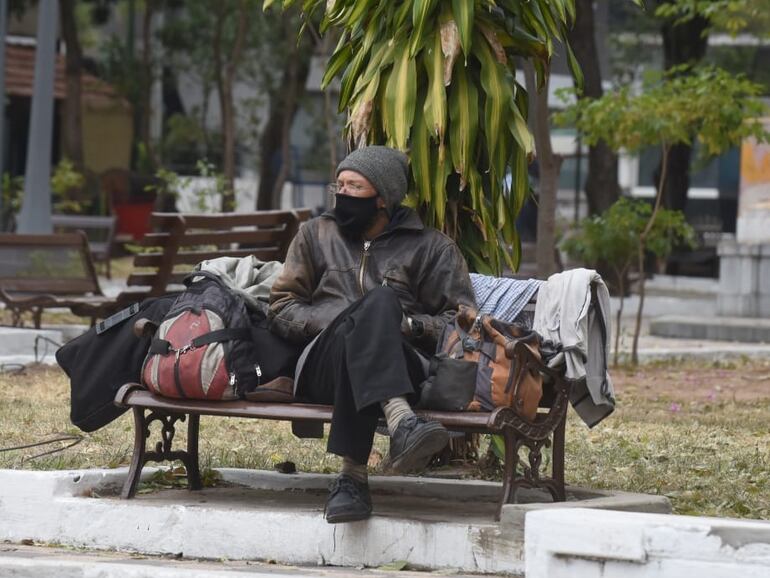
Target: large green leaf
x,y
450,42
422,11
359,10
524,44
498,96
519,130
353,71
441,170
337,62
420,154
435,99
464,121
360,121
382,57
400,98
574,66
463,14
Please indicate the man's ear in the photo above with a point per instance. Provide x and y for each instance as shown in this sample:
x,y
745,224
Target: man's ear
x,y
381,203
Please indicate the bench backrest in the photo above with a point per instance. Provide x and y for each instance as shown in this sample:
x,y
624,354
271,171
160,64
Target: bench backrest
x,y
57,264
180,241
99,230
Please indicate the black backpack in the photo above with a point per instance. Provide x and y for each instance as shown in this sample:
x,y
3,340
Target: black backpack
x,y
104,358
212,346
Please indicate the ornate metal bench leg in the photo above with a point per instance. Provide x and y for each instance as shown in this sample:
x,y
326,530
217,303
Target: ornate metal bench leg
x,y
559,495
191,463
141,432
509,473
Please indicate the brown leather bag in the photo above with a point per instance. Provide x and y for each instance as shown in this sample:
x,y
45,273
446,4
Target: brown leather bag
x,y
501,379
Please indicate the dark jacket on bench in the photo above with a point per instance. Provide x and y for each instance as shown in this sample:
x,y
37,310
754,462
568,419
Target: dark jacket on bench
x,y
326,272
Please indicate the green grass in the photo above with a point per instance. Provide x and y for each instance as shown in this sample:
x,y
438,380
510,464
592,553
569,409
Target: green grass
x,y
696,434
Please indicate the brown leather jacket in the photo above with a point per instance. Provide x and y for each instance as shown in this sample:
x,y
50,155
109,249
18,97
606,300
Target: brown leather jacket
x,y
326,272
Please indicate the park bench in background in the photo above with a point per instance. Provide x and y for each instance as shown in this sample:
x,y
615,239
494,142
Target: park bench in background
x,y
38,272
547,429
100,232
179,241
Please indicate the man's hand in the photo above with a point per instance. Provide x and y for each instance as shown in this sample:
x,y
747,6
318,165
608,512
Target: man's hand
x,y
411,327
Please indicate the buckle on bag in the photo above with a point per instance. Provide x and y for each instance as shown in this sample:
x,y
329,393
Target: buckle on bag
x,y
183,349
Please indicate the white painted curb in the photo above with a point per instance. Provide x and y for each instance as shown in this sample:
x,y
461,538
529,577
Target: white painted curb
x,y
583,542
54,507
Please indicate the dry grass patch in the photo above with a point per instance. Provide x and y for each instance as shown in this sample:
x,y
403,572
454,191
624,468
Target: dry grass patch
x,y
694,433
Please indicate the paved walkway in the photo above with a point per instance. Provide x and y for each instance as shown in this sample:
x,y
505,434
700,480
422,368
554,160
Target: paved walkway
x,y
31,561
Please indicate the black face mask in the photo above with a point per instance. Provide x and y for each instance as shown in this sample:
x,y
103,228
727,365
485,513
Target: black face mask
x,y
355,214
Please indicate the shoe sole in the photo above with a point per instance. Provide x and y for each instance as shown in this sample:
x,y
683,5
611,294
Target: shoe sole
x,y
418,454
342,518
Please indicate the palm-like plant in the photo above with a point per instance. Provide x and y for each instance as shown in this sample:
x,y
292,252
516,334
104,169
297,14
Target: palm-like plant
x,y
436,78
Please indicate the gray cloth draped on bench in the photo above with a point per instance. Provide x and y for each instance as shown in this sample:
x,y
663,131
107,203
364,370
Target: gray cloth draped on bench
x,y
573,309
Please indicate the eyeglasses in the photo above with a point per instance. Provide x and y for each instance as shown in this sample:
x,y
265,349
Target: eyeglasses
x,y
354,188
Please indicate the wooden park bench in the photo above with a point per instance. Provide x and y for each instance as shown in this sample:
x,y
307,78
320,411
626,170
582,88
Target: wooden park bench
x,y
307,421
99,230
39,272
179,241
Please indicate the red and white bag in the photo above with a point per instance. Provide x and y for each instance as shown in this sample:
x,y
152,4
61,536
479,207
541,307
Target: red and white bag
x,y
203,348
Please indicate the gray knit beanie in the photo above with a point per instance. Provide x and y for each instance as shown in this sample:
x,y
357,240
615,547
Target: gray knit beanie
x,y
386,168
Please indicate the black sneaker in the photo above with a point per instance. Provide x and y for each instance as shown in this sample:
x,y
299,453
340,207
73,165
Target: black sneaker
x,y
349,501
414,442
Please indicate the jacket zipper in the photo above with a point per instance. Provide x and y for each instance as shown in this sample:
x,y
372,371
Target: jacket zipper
x,y
362,269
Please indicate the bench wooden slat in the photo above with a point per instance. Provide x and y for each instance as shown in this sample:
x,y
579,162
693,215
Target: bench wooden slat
x,y
220,220
220,238
154,239
195,257
135,396
57,239
50,286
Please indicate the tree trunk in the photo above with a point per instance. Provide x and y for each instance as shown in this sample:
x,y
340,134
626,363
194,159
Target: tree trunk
x,y
73,123
677,183
550,165
290,97
666,148
284,102
226,74
601,187
145,133
684,43
620,277
329,117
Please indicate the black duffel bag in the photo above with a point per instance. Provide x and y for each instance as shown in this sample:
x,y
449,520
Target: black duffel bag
x,y
104,358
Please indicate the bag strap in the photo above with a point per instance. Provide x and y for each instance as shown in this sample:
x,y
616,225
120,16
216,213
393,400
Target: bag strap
x,y
163,346
188,280
228,334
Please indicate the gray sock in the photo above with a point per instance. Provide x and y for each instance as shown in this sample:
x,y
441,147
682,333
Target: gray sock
x,y
396,409
355,470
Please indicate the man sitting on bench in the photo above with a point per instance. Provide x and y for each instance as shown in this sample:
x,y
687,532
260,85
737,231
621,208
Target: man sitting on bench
x,y
371,288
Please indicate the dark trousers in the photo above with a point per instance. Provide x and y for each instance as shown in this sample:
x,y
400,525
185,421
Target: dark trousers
x,y
359,361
